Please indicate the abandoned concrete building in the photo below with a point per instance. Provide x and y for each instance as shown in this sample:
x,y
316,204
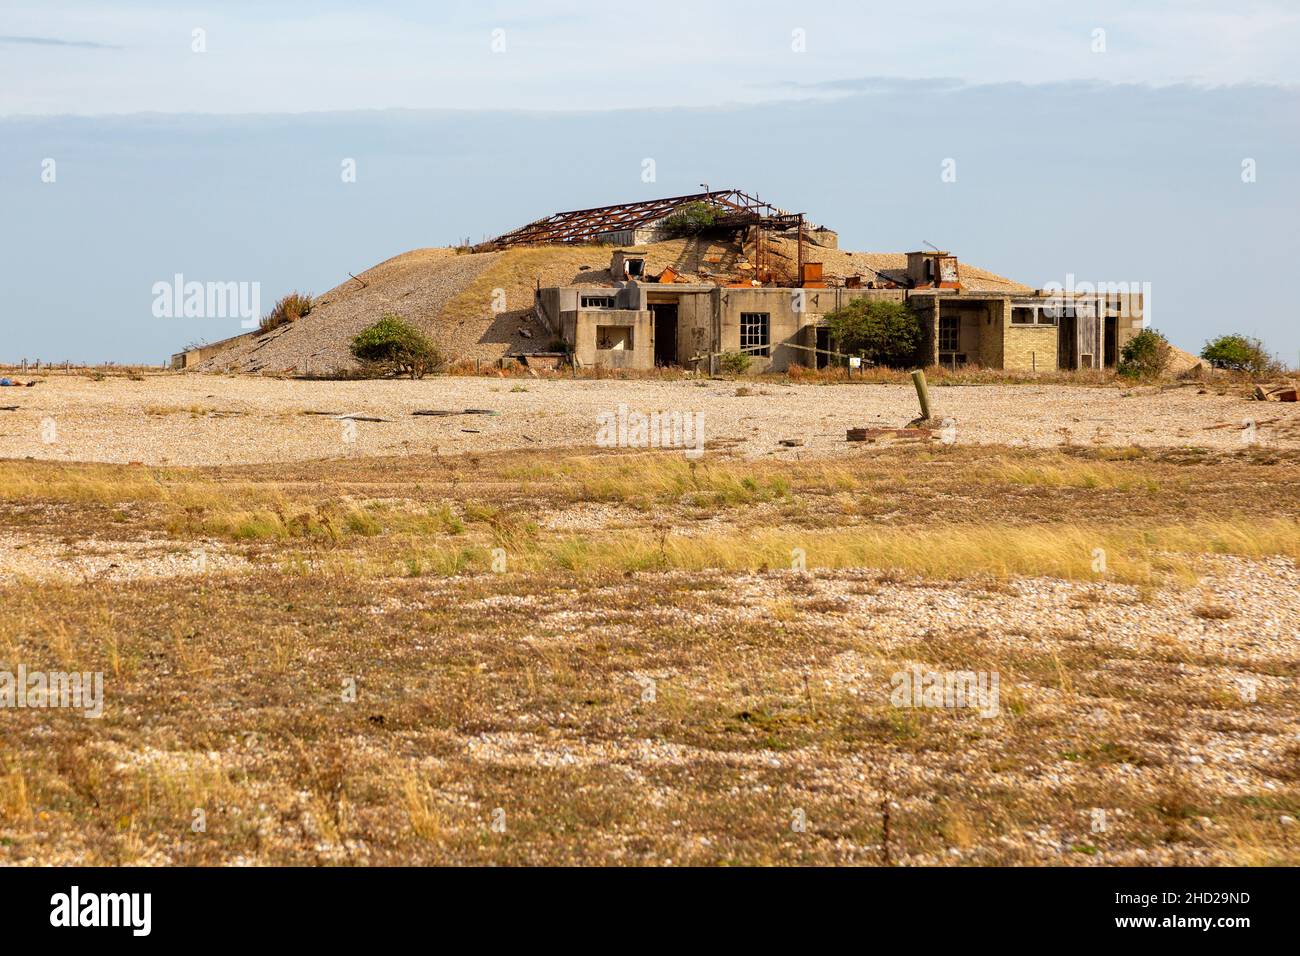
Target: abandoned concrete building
x,y
685,281
770,300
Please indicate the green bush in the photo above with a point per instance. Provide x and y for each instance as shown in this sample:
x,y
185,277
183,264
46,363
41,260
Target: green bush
x,y
691,219
393,347
1146,355
733,363
1238,353
883,331
290,308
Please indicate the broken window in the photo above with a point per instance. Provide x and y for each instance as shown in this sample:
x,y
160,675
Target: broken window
x,y
949,333
634,267
1023,316
754,334
616,337
597,302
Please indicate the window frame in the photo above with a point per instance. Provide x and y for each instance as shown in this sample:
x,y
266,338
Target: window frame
x,y
953,323
756,342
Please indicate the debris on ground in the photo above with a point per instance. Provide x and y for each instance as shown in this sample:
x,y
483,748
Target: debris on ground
x,y
447,413
875,434
1242,424
1282,392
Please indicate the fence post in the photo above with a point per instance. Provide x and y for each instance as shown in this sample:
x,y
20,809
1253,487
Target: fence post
x,y
922,393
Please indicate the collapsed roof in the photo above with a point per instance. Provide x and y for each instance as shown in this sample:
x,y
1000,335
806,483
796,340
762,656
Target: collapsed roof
x,y
736,209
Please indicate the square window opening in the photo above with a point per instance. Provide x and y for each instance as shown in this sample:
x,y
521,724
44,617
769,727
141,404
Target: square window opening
x,y
617,338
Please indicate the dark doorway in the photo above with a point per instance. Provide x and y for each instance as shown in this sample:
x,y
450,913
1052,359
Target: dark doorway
x,y
1112,342
823,343
1067,347
665,333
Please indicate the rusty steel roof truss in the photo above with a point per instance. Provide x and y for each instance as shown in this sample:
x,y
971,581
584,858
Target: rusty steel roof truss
x,y
586,225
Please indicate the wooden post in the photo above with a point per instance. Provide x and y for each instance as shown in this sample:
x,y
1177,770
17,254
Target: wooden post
x,y
922,393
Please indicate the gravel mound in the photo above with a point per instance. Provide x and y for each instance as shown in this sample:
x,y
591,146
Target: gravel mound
x,y
480,305
416,285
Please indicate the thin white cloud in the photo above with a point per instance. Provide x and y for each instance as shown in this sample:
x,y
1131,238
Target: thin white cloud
x,y
571,55
56,41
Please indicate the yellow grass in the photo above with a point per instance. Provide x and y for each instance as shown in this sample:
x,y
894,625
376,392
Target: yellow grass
x,y
15,807
1065,473
1132,554
418,801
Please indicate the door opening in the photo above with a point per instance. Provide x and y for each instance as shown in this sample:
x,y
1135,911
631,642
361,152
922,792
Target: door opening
x,y
1067,348
665,316
1112,341
823,343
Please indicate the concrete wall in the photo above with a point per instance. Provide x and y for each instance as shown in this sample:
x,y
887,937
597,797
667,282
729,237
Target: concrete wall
x,y
927,311
192,357
792,314
982,325
993,335
696,319
708,320
784,324
1132,315
977,337
582,332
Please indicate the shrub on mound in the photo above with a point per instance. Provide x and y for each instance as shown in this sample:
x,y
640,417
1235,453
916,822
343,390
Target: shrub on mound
x,y
1239,353
1146,355
392,347
690,220
290,308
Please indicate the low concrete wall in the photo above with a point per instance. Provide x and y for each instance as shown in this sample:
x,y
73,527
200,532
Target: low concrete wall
x,y
192,357
583,331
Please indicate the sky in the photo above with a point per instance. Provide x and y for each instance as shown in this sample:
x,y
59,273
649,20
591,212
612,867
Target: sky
x,y
1139,141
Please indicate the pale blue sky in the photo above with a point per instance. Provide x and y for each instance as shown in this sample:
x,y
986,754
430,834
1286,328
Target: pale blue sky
x,y
105,57
1122,165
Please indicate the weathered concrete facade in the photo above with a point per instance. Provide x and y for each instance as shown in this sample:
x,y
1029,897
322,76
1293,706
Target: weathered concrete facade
x,y
639,323
644,325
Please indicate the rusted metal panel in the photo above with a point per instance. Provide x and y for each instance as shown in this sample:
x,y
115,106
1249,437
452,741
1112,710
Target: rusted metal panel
x,y
585,225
